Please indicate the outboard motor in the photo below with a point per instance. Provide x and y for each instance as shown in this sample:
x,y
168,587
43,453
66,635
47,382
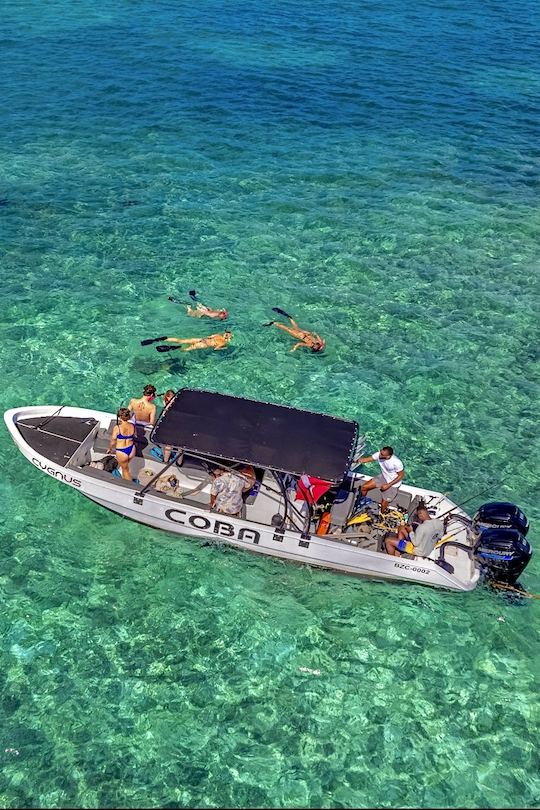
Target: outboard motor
x,y
500,515
501,548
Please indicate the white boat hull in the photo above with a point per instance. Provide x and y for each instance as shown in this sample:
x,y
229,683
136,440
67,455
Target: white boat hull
x,y
180,518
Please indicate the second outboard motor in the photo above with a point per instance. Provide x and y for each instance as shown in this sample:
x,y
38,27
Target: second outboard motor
x,y
499,515
501,548
503,554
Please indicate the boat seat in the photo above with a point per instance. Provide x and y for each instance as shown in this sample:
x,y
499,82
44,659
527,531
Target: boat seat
x,y
106,476
340,509
101,445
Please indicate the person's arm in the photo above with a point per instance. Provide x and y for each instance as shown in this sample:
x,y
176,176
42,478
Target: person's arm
x,y
393,482
112,443
364,460
152,418
214,489
299,345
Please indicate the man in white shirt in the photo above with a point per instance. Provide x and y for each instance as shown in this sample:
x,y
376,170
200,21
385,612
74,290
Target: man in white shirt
x,y
389,481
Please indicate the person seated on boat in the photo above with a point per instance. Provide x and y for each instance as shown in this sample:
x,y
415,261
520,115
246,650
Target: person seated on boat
x,y
144,409
226,492
419,541
215,342
389,481
123,442
304,337
202,311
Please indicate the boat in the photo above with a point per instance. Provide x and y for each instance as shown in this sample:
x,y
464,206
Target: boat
x,y
281,444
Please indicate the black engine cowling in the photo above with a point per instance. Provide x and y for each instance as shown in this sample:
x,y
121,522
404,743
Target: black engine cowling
x,y
503,554
499,515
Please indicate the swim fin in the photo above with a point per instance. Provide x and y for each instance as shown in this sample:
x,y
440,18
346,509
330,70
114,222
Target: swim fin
x,y
193,294
167,348
153,340
281,312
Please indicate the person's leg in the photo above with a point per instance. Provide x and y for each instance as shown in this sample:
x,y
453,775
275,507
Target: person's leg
x,y
367,486
285,328
403,533
166,453
391,542
388,497
123,463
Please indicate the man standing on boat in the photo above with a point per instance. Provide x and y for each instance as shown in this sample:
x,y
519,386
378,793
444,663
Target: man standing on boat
x,y
228,487
389,481
143,409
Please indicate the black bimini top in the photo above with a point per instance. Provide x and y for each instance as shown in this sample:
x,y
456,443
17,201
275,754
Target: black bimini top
x,y
271,436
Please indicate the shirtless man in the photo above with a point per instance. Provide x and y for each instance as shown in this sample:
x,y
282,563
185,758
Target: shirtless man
x,y
144,409
215,342
305,338
202,311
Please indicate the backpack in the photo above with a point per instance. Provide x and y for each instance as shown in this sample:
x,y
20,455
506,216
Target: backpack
x,y
107,463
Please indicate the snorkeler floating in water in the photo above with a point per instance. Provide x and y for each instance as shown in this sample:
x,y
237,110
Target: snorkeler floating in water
x,y
215,342
201,310
311,340
305,338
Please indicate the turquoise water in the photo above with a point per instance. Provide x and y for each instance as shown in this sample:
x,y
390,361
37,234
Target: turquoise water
x,y
374,169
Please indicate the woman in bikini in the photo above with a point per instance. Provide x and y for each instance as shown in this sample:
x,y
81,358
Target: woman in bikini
x,y
123,442
305,338
215,342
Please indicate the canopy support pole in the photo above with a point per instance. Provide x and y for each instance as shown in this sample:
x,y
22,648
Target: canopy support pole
x,y
147,486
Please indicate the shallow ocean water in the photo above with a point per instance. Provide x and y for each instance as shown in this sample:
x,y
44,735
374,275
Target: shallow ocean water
x,y
374,169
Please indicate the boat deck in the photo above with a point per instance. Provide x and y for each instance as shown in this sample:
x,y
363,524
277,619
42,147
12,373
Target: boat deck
x,y
57,437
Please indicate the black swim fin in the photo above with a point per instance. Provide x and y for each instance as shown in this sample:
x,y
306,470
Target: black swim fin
x,y
167,348
153,340
281,312
193,294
